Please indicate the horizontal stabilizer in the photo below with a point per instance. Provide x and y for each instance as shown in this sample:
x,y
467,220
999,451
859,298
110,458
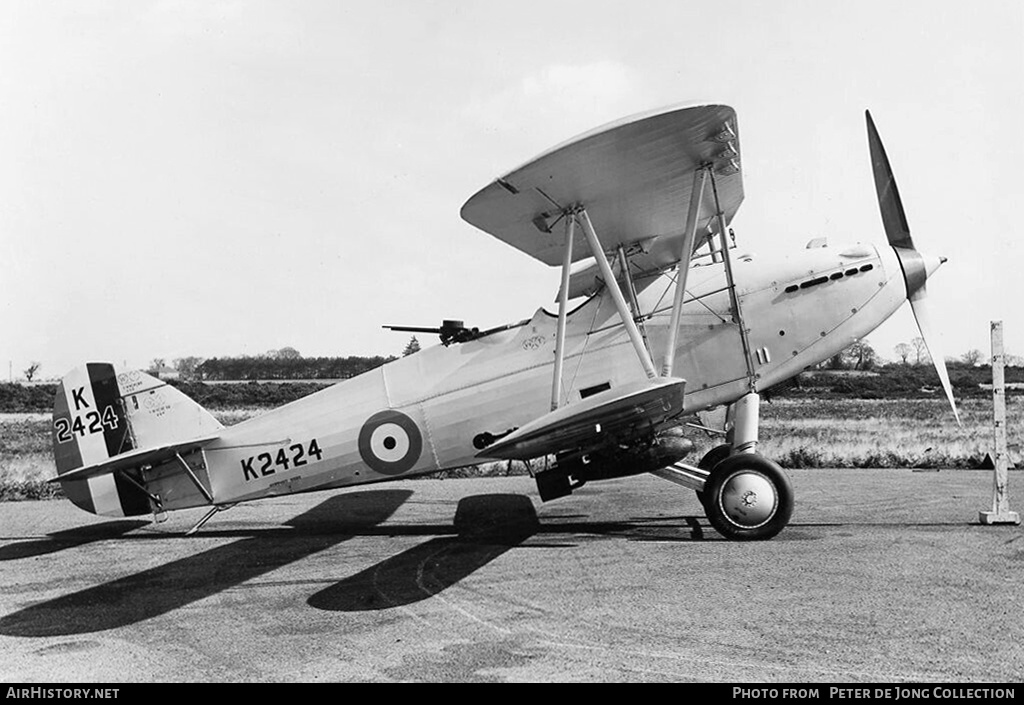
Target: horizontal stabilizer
x,y
616,413
135,458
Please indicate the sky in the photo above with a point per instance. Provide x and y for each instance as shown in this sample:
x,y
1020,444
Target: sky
x,y
227,178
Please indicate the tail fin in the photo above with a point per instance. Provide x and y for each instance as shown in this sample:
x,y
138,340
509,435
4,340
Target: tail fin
x,y
108,423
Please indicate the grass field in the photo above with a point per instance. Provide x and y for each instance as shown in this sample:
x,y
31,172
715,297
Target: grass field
x,y
26,459
798,433
919,433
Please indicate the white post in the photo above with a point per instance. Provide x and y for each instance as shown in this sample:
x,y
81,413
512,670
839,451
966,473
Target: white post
x,y
1000,513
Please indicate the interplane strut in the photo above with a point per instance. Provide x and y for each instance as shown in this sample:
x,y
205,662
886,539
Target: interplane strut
x,y
737,313
563,306
685,251
617,298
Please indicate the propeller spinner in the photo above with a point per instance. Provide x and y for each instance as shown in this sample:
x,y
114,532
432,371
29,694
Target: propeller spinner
x,y
916,267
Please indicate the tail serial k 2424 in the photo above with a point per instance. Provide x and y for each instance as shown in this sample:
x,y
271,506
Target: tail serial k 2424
x,y
673,325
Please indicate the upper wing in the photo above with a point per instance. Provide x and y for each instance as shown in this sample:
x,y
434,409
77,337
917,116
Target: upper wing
x,y
621,412
633,176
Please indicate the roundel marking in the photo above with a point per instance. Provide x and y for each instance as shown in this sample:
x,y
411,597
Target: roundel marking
x,y
390,443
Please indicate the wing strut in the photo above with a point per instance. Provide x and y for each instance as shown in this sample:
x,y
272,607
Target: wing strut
x,y
563,307
685,252
634,304
737,313
617,298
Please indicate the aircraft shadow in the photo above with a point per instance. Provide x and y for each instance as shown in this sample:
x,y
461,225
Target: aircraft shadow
x,y
164,588
486,525
70,538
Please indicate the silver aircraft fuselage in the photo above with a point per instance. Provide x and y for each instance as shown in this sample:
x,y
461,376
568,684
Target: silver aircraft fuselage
x,y
424,412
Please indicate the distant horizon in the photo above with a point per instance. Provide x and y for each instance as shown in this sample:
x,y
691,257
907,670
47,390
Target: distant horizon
x,y
1011,360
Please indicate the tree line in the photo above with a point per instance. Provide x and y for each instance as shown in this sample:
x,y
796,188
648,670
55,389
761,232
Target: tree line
x,y
891,381
280,368
284,364
862,356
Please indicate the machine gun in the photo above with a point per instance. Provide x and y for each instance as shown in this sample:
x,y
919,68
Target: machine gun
x,y
450,331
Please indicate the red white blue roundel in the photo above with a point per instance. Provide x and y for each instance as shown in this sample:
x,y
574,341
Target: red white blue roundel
x,y
390,443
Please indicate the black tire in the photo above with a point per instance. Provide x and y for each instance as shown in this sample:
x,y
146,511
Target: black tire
x,y
748,498
712,458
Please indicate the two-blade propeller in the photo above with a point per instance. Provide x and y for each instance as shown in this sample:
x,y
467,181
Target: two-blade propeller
x,y
916,267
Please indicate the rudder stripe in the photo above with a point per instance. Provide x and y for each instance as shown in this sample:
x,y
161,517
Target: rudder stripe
x,y
107,396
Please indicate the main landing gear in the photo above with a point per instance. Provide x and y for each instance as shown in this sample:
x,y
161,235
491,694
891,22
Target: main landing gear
x,y
746,496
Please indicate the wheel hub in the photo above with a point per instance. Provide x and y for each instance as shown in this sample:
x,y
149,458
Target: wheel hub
x,y
748,499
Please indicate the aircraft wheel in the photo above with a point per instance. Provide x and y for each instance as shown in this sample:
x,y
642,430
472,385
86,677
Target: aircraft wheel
x,y
748,498
712,458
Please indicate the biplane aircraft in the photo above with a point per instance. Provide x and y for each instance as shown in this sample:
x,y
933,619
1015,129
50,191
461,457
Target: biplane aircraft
x,y
674,325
